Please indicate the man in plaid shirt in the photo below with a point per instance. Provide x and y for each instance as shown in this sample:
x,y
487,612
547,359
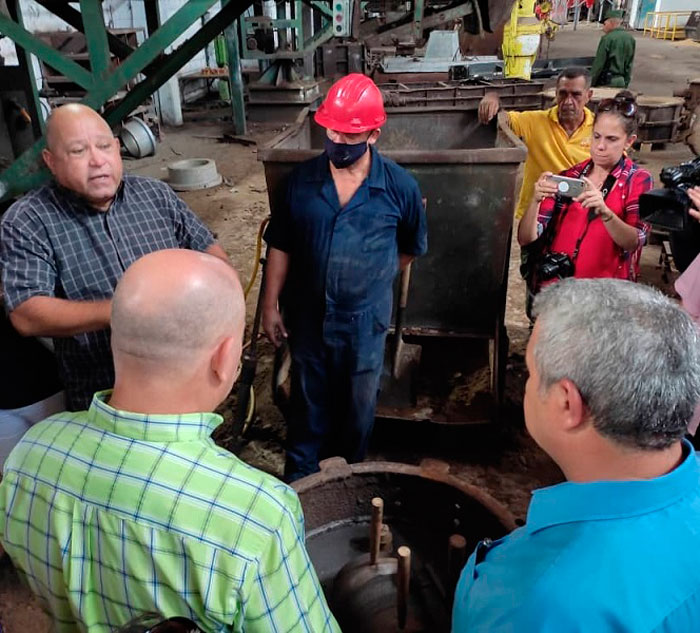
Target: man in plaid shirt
x,y
131,507
64,246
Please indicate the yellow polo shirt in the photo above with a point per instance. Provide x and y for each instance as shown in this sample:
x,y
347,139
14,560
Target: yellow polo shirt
x,y
549,147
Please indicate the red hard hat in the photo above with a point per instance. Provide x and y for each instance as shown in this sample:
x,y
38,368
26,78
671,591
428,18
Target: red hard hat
x,y
353,104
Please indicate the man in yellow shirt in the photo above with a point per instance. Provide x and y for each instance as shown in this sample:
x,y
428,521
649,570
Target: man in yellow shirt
x,y
557,138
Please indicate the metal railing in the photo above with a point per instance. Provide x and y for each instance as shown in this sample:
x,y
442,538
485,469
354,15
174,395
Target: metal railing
x,y
664,25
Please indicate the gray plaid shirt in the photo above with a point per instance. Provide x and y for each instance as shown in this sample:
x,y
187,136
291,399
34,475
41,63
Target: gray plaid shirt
x,y
53,244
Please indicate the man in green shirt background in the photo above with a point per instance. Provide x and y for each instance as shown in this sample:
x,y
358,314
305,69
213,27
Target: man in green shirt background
x,y
130,507
613,59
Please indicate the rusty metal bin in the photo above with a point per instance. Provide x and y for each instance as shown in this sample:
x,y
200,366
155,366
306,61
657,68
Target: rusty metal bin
x,y
514,94
467,173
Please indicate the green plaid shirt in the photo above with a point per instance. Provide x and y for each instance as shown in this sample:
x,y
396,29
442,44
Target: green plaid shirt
x,y
109,514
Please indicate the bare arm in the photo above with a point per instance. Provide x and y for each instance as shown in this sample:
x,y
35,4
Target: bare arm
x,y
624,235
694,195
275,275
51,316
216,250
527,229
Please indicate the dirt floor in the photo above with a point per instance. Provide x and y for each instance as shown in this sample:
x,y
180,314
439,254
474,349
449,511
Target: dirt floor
x,y
501,458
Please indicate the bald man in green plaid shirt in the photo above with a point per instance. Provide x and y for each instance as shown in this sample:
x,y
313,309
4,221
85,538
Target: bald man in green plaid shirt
x,y
131,507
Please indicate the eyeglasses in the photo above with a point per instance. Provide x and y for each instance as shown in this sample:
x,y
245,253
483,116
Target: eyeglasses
x,y
624,105
154,623
175,625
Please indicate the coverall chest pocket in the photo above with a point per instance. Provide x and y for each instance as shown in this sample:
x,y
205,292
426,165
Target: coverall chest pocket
x,y
378,226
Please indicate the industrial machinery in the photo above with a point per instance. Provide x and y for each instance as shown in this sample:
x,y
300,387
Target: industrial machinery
x,y
373,25
350,37
357,37
111,66
346,33
389,540
521,40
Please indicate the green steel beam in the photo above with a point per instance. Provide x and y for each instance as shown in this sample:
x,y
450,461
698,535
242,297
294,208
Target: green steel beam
x,y
95,36
154,46
175,60
320,6
22,174
418,12
31,44
235,77
318,38
298,33
25,173
73,18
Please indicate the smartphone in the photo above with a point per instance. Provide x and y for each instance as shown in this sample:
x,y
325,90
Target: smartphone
x,y
569,187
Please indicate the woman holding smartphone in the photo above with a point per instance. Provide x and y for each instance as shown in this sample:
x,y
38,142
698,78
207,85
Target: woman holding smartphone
x,y
597,233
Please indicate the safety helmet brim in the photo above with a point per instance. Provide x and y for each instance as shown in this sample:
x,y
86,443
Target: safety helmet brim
x,y
354,126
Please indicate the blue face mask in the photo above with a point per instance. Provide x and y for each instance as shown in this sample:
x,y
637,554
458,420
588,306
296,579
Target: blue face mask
x,y
343,155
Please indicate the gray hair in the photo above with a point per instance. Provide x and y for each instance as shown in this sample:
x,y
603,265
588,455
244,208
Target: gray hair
x,y
633,354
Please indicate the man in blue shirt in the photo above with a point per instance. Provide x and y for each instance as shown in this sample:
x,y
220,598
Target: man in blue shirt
x,y
614,378
352,218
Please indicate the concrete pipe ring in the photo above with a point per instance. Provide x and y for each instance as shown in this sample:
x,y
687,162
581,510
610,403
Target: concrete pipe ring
x,y
192,174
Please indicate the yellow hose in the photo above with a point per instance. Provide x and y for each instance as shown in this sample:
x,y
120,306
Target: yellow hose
x,y
250,413
258,252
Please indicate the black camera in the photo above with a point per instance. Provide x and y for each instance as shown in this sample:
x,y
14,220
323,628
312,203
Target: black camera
x,y
555,266
682,177
668,207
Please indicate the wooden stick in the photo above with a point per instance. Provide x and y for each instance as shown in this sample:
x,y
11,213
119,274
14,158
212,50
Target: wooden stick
x,y
403,582
375,529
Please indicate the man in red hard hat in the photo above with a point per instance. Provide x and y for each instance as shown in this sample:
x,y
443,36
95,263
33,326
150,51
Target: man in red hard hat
x,y
352,218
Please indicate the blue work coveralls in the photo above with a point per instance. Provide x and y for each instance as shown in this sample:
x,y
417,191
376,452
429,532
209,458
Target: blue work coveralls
x,y
337,301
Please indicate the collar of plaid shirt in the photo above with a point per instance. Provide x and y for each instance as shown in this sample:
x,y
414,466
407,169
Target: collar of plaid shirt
x,y
72,198
151,427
